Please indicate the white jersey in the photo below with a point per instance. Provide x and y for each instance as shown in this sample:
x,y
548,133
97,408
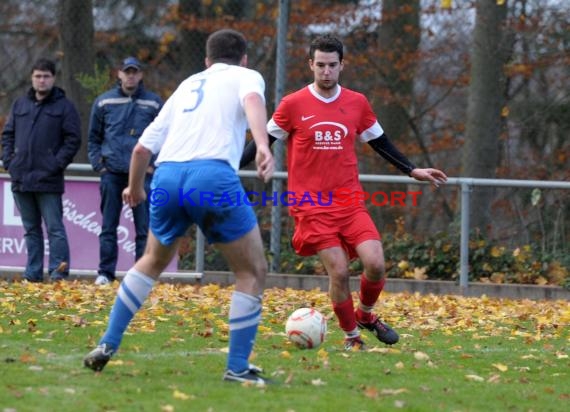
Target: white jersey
x,y
205,118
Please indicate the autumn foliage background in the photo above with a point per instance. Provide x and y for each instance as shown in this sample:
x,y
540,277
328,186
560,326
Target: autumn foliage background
x,y
477,88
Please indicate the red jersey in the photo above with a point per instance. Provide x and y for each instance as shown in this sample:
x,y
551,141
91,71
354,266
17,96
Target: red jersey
x,y
321,157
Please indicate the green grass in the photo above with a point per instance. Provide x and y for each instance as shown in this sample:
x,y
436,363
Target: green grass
x,y
455,354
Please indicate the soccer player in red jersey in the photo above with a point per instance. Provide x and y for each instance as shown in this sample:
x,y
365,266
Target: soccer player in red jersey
x,y
321,124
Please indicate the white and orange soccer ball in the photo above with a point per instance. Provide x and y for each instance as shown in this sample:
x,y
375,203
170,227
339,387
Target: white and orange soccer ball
x,y
306,328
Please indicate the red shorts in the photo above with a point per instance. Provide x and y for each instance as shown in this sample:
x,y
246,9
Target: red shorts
x,y
325,230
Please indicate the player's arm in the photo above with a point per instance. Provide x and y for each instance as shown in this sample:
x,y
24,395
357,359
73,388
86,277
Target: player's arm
x,y
250,150
256,113
140,159
384,147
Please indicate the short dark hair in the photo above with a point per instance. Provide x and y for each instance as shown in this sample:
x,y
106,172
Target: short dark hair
x,y
226,46
44,65
328,44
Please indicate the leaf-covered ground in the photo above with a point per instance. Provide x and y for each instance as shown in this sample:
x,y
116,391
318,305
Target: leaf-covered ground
x,y
482,316
508,349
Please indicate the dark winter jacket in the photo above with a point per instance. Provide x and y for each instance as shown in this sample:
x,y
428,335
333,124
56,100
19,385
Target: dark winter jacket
x,y
39,140
117,121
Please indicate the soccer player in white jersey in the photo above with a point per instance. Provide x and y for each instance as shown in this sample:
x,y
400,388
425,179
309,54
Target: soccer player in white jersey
x,y
200,135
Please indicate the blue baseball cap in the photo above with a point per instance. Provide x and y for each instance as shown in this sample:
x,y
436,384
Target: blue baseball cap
x,y
131,63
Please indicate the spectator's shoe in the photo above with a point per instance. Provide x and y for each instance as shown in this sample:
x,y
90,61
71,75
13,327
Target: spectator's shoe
x,y
60,272
98,357
248,376
56,277
33,279
383,332
354,344
102,280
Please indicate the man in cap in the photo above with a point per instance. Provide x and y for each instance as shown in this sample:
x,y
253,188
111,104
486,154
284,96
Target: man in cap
x,y
118,118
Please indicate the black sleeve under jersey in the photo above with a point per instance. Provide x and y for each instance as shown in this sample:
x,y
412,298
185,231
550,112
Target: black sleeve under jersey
x,y
249,151
388,151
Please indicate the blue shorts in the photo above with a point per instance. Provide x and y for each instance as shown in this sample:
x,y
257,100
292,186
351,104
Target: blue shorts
x,y
205,192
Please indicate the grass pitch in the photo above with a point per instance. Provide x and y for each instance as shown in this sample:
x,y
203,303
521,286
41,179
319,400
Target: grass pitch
x,y
455,354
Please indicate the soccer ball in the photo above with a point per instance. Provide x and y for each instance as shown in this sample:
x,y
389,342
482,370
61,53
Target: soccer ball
x,y
306,328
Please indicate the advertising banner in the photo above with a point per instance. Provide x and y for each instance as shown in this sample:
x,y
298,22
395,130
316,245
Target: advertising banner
x,y
82,219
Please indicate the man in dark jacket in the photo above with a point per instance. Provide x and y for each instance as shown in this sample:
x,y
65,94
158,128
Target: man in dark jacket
x,y
118,118
40,139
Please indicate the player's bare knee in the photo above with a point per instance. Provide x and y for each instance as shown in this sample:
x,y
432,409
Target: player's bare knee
x,y
339,278
256,268
375,268
375,272
261,270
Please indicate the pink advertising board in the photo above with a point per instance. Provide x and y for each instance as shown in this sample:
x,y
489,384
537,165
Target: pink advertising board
x,y
82,219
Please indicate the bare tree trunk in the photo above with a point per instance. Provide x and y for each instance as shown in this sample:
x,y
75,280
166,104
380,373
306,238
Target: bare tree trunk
x,y
485,102
76,42
399,38
193,40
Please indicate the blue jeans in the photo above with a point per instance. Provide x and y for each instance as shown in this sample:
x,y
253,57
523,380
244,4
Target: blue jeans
x,y
111,188
33,207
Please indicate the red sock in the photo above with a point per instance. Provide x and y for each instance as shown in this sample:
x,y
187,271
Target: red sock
x,y
345,313
369,292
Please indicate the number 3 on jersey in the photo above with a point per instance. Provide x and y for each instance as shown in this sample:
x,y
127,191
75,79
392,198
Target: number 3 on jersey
x,y
197,94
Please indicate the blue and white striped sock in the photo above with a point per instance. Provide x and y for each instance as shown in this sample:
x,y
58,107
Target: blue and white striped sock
x,y
133,291
245,315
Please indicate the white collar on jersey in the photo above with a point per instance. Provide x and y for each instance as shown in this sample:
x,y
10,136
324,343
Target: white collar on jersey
x,y
325,99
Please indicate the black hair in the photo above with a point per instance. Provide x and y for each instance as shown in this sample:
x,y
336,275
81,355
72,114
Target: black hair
x,y
226,46
328,44
44,65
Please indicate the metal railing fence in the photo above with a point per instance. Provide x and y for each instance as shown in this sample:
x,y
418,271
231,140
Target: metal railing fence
x,y
466,185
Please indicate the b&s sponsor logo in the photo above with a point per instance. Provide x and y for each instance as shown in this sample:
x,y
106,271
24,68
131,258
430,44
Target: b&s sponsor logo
x,y
328,135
